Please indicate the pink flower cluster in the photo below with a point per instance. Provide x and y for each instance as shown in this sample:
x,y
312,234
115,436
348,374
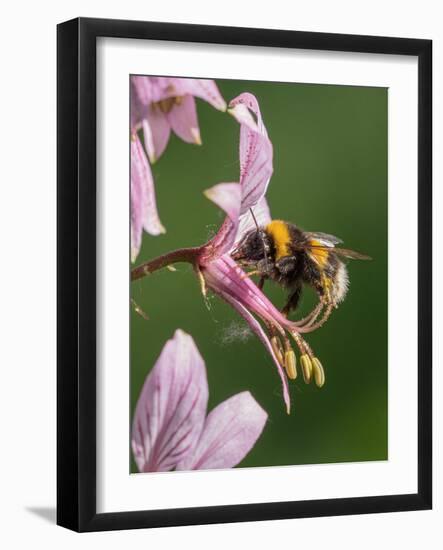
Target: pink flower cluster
x,y
171,429
159,105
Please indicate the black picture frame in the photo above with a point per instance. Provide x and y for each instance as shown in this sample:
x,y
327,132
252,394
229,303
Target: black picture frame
x,y
76,278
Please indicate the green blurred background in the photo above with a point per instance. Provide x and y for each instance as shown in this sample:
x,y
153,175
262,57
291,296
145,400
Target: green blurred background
x,y
330,175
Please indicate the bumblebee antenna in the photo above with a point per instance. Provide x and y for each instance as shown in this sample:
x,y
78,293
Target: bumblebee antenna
x,y
254,218
261,235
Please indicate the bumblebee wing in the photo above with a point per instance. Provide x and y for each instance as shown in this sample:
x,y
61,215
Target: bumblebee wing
x,y
345,252
324,239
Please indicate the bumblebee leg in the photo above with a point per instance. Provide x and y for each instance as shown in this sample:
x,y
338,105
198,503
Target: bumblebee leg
x,y
315,313
328,302
314,279
250,274
323,288
311,326
312,316
292,302
261,283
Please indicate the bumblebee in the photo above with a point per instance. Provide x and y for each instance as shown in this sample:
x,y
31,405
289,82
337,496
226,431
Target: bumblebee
x,y
282,252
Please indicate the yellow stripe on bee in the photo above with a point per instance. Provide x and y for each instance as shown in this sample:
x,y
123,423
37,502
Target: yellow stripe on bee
x,y
320,255
278,230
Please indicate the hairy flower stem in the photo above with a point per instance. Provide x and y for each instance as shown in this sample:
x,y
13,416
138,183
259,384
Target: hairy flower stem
x,y
188,255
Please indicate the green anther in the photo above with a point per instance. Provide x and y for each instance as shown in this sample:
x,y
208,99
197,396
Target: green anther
x,y
291,364
319,373
306,367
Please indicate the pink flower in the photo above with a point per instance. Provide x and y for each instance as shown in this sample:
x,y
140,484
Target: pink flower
x,y
222,275
171,429
243,201
160,104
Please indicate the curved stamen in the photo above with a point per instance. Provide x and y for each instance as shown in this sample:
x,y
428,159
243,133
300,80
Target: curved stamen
x,y
311,317
321,322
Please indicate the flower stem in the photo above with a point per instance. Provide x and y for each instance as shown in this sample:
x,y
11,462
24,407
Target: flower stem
x,y
181,255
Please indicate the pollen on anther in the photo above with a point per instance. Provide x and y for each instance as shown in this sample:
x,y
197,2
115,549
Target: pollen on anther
x,y
290,364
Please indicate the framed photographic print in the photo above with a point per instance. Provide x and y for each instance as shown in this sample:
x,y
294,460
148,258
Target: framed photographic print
x,y
244,274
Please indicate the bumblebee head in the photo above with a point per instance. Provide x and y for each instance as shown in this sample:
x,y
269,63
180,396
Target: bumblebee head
x,y
253,247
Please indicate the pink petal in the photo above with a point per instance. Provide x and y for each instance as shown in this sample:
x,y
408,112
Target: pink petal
x,y
143,204
257,328
243,115
227,197
224,275
146,91
171,409
262,216
141,89
230,432
255,171
150,89
137,111
156,131
229,281
183,120
201,88
137,204
255,150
